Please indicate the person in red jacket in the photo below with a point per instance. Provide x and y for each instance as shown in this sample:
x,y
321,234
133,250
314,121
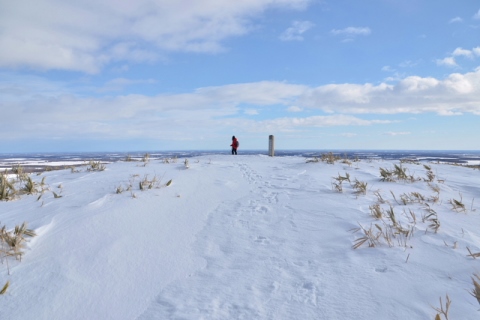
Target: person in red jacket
x,y
234,145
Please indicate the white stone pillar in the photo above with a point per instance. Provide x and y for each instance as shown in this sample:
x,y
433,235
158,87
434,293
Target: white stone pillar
x,y
271,145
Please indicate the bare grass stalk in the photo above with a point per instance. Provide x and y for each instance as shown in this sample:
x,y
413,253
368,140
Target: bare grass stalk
x,y
376,211
370,237
391,216
314,160
433,222
329,158
360,187
337,184
443,311
386,175
379,197
146,157
56,195
96,166
148,184
119,190
473,255
5,288
345,160
476,287
457,205
7,188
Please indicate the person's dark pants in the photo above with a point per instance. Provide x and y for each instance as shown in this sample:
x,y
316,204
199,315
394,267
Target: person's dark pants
x,y
234,151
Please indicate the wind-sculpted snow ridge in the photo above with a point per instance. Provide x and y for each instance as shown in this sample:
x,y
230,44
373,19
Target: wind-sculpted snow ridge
x,y
248,237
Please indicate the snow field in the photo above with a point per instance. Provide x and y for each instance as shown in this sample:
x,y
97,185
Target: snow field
x,y
244,237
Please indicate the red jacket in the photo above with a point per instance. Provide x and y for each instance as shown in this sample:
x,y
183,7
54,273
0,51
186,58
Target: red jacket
x,y
234,144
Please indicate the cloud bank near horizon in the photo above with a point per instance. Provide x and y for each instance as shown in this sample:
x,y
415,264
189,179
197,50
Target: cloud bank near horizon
x,y
28,111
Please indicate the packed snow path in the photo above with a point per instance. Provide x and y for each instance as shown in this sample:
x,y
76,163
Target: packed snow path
x,y
271,253
244,237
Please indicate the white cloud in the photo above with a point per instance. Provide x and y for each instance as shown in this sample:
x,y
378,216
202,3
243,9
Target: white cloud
x,y
251,112
455,93
118,84
289,124
348,135
352,31
462,52
449,113
388,69
477,15
409,64
448,61
456,20
396,133
476,51
296,31
86,35
294,109
35,107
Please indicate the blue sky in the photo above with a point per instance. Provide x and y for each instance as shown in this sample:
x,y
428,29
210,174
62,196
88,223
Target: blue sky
x,y
183,74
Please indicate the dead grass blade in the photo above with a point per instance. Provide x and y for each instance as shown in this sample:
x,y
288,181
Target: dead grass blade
x,y
441,310
473,255
5,287
476,287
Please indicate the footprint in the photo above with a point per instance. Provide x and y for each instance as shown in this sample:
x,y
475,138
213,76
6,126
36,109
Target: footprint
x,y
381,269
262,240
307,293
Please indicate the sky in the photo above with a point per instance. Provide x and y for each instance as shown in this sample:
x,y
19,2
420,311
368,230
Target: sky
x,y
187,75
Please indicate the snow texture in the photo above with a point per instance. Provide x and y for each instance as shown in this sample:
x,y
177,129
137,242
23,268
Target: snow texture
x,y
243,237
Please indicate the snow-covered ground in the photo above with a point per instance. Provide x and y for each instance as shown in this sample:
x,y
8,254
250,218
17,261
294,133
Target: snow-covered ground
x,y
245,237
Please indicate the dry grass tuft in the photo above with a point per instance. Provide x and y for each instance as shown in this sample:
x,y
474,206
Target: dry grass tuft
x,y
96,166
315,159
411,161
398,173
329,158
386,175
431,218
13,242
119,190
337,184
360,187
7,188
73,169
391,216
146,157
441,310
476,287
30,186
370,237
379,197
148,184
457,205
436,197
376,211
345,160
